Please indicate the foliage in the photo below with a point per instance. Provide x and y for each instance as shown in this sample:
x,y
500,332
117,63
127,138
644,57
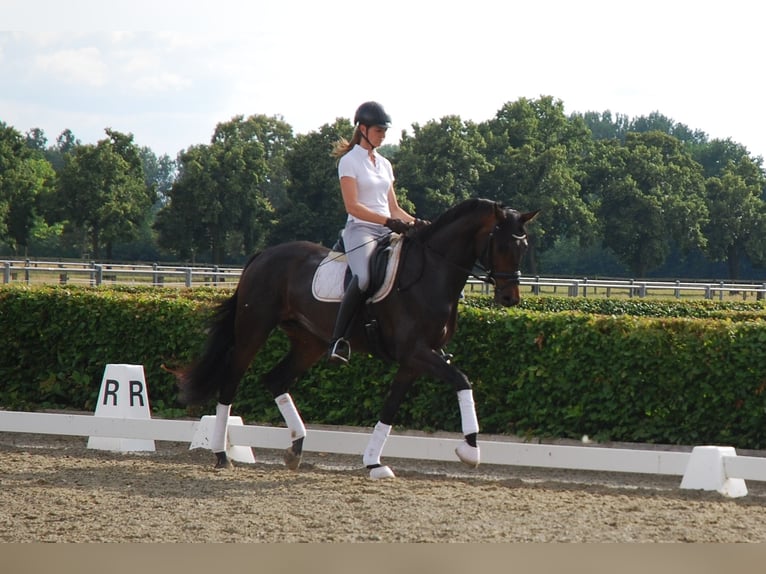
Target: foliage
x,y
624,378
313,209
737,213
103,193
647,193
614,370
651,198
220,204
25,179
697,309
536,156
441,164
62,338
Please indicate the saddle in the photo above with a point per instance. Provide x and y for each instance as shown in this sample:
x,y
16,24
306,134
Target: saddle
x,y
333,274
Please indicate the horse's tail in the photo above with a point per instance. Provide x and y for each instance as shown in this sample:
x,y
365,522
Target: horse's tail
x,y
202,379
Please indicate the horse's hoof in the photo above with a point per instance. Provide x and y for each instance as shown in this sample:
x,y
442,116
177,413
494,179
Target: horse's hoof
x,y
468,454
381,472
222,461
293,460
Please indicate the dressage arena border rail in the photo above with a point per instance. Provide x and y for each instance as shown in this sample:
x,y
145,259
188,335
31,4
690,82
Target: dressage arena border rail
x,y
96,274
705,468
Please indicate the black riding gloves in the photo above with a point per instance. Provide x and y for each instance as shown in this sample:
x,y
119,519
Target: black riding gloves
x,y
397,225
421,223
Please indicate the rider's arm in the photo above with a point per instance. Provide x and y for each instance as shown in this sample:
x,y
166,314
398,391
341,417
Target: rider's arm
x,y
396,211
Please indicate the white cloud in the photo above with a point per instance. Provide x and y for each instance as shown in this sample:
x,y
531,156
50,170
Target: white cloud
x,y
81,66
165,82
178,68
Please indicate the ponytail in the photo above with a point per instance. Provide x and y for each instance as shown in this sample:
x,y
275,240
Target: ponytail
x,y
343,146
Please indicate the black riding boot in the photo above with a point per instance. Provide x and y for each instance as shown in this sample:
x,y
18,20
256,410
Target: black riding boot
x,y
340,350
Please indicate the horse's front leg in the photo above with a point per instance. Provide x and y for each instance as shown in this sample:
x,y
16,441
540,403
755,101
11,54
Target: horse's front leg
x,y
468,451
371,458
434,364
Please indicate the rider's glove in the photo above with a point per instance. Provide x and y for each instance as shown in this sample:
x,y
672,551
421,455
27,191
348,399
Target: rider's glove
x,y
397,225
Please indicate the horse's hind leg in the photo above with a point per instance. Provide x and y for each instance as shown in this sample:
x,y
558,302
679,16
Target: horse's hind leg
x,y
305,351
293,453
235,366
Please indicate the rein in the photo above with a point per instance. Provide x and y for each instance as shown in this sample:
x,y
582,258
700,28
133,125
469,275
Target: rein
x,y
489,275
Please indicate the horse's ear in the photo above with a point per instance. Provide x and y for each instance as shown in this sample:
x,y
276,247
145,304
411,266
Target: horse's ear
x,y
529,216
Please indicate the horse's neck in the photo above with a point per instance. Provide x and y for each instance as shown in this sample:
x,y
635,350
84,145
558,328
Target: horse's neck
x,y
464,247
459,250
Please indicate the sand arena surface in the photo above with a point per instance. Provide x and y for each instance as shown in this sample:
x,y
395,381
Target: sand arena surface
x,y
54,489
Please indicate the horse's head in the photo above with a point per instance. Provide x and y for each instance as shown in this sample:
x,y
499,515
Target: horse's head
x,y
505,250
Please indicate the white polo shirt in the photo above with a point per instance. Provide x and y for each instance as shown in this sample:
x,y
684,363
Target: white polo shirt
x,y
373,180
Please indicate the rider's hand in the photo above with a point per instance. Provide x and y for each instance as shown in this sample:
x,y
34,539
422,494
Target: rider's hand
x,y
397,225
421,223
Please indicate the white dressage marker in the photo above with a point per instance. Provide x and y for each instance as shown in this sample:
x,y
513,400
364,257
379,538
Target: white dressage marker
x,y
204,434
707,471
123,394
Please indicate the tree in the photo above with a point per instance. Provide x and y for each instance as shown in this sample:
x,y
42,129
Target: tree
x,y
656,122
441,164
66,142
602,126
717,155
219,203
11,148
181,224
36,140
651,199
25,177
159,173
314,208
277,139
736,206
537,155
103,192
35,178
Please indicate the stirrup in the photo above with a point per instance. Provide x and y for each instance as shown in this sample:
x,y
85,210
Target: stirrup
x,y
340,351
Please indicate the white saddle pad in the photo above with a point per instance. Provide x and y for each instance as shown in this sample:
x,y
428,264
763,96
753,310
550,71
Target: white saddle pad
x,y
327,285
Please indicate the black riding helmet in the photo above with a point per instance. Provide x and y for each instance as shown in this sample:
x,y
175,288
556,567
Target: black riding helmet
x,y
372,114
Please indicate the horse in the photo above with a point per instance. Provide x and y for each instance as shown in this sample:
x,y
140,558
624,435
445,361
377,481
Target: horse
x,y
414,322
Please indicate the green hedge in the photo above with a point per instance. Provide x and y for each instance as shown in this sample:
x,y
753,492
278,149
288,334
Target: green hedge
x,y
627,378
537,372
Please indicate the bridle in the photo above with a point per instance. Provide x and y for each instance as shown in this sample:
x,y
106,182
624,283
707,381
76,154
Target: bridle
x,y
485,262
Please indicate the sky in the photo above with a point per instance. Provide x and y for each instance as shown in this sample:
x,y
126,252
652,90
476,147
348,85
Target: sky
x,y
168,71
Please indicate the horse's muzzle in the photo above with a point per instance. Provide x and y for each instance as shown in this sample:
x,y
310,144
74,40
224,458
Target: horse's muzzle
x,y
507,294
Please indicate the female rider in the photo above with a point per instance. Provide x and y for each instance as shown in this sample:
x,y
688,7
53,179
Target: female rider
x,y
367,187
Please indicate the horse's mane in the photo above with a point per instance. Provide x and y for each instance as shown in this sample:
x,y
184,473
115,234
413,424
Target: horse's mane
x,y
453,214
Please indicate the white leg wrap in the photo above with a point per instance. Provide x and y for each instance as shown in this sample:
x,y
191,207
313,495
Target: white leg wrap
x,y
218,442
468,412
375,446
293,419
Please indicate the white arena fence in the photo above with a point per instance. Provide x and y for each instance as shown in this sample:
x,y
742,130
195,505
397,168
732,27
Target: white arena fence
x,y
96,274
705,468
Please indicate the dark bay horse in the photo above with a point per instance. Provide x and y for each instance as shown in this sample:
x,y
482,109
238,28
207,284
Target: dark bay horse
x,y
414,321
